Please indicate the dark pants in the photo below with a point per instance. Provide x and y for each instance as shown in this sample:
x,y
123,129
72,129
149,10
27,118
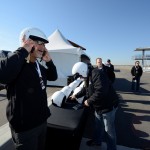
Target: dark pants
x,y
33,139
136,83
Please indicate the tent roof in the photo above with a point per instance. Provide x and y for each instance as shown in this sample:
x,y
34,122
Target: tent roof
x,y
58,41
76,45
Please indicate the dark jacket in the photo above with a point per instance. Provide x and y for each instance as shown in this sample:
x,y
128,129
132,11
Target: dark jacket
x,y
136,71
104,97
111,66
111,75
27,102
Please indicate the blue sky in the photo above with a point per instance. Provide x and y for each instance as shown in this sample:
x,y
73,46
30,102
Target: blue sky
x,y
106,28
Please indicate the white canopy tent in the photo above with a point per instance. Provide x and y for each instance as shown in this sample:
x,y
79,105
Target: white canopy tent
x,y
64,56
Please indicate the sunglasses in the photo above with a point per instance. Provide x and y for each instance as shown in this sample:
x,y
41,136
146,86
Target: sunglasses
x,y
40,42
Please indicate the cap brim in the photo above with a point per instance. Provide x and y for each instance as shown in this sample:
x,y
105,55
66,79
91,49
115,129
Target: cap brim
x,y
35,38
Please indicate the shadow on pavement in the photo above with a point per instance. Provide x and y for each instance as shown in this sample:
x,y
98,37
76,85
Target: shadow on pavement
x,y
127,134
123,85
117,70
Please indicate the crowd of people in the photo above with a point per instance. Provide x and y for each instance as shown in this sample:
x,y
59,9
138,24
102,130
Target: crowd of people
x,y
27,109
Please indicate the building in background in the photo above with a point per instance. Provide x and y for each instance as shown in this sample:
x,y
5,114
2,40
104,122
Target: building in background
x,y
144,58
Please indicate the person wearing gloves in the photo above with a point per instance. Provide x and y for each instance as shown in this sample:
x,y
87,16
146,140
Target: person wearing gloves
x,y
104,100
25,78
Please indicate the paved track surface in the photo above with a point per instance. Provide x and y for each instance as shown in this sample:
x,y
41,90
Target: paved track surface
x,y
133,115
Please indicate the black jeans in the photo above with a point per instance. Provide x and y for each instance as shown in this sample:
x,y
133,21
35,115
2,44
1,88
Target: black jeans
x,y
136,83
33,139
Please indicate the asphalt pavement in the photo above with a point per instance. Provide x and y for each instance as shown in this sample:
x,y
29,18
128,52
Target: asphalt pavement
x,y
132,117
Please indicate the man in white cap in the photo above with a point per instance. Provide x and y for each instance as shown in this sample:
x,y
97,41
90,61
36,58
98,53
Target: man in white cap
x,y
27,109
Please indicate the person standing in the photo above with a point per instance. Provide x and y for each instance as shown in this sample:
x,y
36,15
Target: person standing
x,y
25,78
104,100
109,64
110,73
136,72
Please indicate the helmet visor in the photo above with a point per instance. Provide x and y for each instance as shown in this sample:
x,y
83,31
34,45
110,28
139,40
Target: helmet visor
x,y
36,38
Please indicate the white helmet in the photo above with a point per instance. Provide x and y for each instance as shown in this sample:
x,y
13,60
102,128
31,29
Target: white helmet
x,y
77,82
74,84
78,89
81,68
34,34
82,84
67,91
58,98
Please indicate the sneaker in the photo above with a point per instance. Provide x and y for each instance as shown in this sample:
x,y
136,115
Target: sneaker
x,y
92,143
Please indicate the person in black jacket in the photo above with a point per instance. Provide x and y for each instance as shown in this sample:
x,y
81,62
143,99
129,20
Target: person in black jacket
x,y
109,64
110,73
26,79
104,100
136,72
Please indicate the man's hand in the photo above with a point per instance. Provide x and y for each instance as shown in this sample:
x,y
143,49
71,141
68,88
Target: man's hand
x,y
72,97
27,44
46,56
86,103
